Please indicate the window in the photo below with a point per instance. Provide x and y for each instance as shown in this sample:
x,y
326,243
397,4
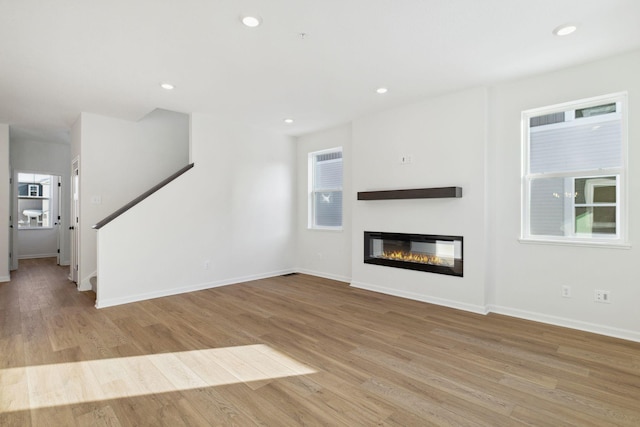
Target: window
x,y
574,166
35,199
325,189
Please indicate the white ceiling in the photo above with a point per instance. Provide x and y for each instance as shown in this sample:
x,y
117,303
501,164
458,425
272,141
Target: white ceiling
x,y
59,58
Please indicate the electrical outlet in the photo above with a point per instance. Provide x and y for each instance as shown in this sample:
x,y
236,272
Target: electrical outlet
x,y
207,264
602,296
566,291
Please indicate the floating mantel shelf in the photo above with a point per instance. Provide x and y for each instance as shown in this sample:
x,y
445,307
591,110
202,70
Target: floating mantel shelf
x,y
415,193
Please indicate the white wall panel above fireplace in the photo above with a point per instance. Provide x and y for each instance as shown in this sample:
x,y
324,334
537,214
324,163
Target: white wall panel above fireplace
x,y
446,137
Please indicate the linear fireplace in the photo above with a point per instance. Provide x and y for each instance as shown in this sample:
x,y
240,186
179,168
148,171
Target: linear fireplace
x,y
423,252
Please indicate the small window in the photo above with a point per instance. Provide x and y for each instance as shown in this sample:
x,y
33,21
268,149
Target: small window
x,y
35,200
574,158
325,189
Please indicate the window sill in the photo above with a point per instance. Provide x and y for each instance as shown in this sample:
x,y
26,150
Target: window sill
x,y
334,229
35,228
584,243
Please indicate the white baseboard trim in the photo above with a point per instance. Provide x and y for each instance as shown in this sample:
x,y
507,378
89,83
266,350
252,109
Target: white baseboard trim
x,y
37,256
110,302
329,276
85,284
522,314
5,279
417,297
567,323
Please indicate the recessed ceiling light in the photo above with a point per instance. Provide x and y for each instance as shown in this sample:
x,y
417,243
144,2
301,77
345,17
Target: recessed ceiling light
x,y
167,86
251,21
565,30
382,90
288,121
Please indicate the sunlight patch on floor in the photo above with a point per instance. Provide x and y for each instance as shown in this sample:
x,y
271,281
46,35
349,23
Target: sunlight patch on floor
x,y
33,387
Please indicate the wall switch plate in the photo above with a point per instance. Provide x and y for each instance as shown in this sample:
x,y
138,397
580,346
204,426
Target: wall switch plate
x,y
602,296
406,159
566,291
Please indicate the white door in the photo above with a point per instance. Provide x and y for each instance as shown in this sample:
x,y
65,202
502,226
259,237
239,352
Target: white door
x,y
57,220
75,220
13,225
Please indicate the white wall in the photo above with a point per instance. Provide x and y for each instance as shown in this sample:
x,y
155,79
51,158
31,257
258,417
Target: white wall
x,y
53,158
234,210
322,252
471,139
5,202
119,160
36,243
527,278
446,138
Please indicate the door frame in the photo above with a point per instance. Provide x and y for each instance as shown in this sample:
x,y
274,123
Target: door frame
x,y
13,215
14,247
57,222
74,220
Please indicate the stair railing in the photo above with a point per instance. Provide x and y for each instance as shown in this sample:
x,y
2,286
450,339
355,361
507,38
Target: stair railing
x,y
140,198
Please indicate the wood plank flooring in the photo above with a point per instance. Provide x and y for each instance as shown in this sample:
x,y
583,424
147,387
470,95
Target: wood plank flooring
x,y
295,350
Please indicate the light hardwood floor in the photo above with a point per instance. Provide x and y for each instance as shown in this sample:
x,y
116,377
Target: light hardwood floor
x,y
295,350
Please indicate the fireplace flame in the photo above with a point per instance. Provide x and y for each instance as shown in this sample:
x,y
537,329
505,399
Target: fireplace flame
x,y
415,257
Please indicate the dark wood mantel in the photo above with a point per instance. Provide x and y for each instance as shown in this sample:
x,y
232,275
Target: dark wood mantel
x,y
414,193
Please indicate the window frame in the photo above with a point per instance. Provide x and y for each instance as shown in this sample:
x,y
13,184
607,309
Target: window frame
x,y
46,200
311,191
620,239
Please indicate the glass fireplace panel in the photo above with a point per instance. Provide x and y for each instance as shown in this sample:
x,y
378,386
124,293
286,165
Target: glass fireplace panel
x,y
432,253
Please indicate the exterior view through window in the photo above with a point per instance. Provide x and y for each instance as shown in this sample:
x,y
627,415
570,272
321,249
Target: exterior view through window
x,y
35,200
573,180
325,189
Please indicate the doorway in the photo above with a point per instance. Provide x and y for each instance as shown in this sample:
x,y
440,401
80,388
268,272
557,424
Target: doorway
x,y
37,214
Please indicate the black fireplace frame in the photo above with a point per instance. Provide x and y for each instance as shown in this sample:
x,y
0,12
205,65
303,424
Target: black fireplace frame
x,y
455,270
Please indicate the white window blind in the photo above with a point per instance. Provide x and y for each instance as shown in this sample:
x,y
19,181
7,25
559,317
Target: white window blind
x,y
571,146
326,189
